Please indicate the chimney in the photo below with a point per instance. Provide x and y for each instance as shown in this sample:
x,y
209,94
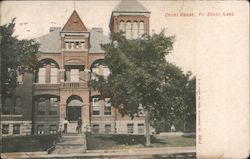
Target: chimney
x,y
54,29
100,30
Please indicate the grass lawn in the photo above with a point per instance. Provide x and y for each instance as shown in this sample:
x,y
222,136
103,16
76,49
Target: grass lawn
x,y
105,141
27,143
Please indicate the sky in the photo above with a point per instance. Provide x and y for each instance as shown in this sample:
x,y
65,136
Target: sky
x,y
33,19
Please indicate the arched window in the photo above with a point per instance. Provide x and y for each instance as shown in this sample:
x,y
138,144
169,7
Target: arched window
x,y
141,28
47,71
135,30
128,30
121,26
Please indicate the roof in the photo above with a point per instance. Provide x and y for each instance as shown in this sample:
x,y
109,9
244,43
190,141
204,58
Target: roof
x,y
132,6
97,38
74,23
51,42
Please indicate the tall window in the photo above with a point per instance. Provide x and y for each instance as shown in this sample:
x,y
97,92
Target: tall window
x,y
128,30
16,129
42,75
130,128
5,129
121,26
53,106
41,103
141,128
74,75
18,106
53,75
141,28
95,106
135,29
7,106
107,107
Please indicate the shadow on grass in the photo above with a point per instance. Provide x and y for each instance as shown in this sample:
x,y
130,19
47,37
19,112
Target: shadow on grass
x,y
27,143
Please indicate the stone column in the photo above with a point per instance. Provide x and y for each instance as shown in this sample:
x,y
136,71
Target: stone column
x,y
62,75
62,112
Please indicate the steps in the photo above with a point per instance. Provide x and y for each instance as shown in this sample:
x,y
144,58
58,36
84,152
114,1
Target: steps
x,y
71,143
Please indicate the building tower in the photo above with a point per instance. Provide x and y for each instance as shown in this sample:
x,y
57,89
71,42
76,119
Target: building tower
x,y
130,18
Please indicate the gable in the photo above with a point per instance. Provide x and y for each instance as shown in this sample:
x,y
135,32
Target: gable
x,y
74,24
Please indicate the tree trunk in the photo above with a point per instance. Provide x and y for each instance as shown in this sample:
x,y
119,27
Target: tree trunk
x,y
147,124
184,123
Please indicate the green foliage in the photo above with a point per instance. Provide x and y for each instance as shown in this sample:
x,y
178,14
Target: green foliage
x,y
140,74
16,55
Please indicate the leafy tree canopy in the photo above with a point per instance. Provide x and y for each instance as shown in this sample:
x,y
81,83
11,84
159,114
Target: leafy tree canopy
x,y
140,75
16,56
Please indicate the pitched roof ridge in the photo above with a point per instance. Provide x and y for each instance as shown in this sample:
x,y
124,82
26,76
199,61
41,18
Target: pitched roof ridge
x,y
130,6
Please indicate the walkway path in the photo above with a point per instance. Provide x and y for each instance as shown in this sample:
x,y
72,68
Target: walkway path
x,y
71,144
138,153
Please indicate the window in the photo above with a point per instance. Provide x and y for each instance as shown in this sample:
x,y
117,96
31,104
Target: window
x,y
53,75
107,107
41,103
7,106
107,128
128,30
40,129
53,106
42,75
16,129
52,129
74,75
135,30
5,129
67,45
130,128
18,106
77,45
141,28
95,128
121,26
141,128
82,45
72,45
95,106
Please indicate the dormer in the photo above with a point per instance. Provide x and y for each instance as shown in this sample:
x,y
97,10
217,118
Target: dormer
x,y
131,18
74,35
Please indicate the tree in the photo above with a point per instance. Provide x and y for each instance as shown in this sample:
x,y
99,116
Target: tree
x,y
17,56
140,75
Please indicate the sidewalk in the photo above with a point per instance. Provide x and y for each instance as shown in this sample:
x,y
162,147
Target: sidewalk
x,y
145,153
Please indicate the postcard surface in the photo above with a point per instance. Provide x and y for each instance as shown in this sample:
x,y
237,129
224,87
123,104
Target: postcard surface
x,y
55,107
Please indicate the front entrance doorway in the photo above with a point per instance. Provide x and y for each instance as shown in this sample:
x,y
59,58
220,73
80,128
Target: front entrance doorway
x,y
74,112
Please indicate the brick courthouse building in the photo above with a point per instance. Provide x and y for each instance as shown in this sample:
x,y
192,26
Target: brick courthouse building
x,y
58,88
